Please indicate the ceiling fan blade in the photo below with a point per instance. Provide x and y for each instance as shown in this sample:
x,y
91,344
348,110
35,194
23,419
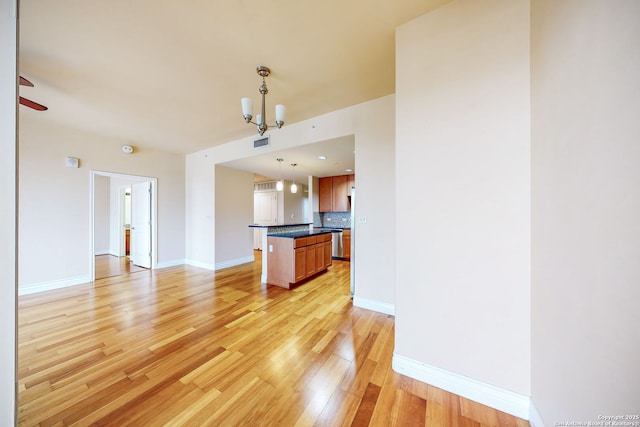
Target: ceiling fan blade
x,y
29,103
25,82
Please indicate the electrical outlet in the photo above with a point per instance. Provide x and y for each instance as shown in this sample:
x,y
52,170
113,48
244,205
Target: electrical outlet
x,y
270,248
362,220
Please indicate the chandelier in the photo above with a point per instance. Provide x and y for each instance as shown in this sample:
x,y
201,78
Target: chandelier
x,y
261,120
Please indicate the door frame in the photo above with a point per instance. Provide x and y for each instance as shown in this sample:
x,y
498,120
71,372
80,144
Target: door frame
x,y
154,210
121,218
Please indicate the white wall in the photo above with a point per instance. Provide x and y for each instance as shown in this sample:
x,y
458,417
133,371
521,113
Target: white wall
x,y
234,213
375,240
292,203
102,215
54,200
586,209
8,213
199,224
373,125
462,193
314,187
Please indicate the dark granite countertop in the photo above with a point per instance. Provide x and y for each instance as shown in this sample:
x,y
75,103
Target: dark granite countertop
x,y
332,228
297,234
280,225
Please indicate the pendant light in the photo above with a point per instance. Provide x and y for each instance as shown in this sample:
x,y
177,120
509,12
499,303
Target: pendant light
x,y
294,187
280,183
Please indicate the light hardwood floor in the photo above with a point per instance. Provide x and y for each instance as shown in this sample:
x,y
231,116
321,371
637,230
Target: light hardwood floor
x,y
109,266
187,346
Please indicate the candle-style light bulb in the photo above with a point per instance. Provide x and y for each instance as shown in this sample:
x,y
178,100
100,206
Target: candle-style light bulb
x,y
247,109
280,113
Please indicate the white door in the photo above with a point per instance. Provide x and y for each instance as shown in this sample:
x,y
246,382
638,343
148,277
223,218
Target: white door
x,y
265,212
265,208
141,224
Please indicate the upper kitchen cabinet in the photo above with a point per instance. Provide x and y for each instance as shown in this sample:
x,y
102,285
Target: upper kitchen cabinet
x,y
325,194
340,199
334,192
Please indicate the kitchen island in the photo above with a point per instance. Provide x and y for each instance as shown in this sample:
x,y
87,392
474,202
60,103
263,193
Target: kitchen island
x,y
273,229
295,256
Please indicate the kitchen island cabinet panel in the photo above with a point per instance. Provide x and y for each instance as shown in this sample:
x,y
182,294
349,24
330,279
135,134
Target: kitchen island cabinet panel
x,y
320,265
300,264
327,258
310,260
291,260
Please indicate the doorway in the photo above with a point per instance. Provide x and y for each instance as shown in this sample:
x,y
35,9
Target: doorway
x,y
265,212
123,224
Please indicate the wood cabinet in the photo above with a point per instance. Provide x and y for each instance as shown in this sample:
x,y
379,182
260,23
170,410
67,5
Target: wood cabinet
x,y
325,194
291,260
346,244
319,257
299,266
310,261
334,192
326,256
340,200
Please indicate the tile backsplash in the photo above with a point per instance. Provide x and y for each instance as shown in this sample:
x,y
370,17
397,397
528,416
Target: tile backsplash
x,y
317,219
332,219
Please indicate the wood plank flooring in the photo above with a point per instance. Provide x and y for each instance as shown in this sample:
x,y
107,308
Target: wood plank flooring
x,y
109,266
187,346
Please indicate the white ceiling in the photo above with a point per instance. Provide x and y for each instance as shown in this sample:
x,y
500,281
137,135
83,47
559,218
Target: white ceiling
x,y
339,153
169,74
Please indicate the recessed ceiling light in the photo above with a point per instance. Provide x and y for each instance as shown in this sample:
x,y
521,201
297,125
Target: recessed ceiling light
x,y
322,157
348,170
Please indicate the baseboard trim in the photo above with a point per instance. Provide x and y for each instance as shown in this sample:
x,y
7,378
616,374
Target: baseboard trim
x,y
370,304
200,264
498,398
102,252
234,262
534,417
173,263
56,284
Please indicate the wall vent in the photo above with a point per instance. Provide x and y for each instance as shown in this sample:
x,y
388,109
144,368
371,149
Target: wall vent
x,y
265,186
264,141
